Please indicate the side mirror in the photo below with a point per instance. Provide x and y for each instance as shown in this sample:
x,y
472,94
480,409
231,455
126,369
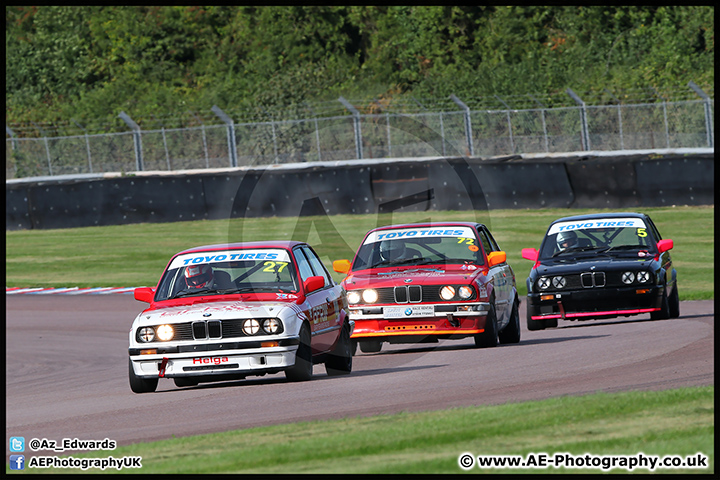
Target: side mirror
x,y
313,283
144,294
496,258
530,254
341,266
665,245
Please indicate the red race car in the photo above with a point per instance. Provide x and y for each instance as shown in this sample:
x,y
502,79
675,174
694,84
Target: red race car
x,y
429,281
224,312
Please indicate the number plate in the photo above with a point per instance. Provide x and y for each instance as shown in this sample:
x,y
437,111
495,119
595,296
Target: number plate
x,y
409,311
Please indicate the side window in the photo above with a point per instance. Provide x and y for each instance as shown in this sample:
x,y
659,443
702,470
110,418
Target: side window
x,y
316,264
494,244
485,242
303,264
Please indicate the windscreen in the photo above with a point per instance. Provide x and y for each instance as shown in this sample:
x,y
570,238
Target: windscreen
x,y
223,272
599,235
419,246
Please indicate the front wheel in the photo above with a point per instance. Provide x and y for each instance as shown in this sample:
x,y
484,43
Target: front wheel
x,y
340,360
489,338
664,312
511,333
141,385
674,303
303,368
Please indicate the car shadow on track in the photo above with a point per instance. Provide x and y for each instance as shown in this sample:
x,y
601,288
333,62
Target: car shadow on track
x,y
316,377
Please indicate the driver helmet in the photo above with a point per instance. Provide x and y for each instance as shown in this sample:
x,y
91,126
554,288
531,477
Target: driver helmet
x,y
198,276
392,250
566,240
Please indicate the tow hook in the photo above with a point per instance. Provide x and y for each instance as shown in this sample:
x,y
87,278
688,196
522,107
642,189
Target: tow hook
x,y
452,320
161,367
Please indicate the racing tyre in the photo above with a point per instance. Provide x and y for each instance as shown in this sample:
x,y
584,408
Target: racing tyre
x,y
533,325
370,346
339,362
511,333
489,338
303,368
141,385
664,312
185,382
674,303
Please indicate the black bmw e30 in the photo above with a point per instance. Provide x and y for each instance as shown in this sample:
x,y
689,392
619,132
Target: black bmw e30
x,y
601,265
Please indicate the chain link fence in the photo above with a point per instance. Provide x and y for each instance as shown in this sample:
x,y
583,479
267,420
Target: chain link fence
x,y
465,132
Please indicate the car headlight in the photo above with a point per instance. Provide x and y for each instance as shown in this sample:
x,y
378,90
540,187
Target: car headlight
x,y
165,332
146,334
250,326
558,282
353,297
370,295
465,292
643,277
543,283
271,325
628,277
447,292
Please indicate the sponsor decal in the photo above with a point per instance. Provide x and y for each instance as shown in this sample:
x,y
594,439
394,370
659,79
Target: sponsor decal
x,y
209,360
458,232
597,223
229,256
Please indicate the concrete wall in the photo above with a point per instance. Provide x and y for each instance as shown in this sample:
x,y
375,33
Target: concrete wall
x,y
618,182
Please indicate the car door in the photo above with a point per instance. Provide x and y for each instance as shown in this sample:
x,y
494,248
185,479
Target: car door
x,y
502,277
323,304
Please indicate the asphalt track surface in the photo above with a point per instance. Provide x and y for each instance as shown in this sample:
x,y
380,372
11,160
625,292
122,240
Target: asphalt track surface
x,y
67,363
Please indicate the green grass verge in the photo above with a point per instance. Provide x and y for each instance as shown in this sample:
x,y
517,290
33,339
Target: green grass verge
x,y
672,422
135,255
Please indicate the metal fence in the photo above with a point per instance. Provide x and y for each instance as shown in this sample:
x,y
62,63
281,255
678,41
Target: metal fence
x,y
466,132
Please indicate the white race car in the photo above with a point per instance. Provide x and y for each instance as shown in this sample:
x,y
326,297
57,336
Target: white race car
x,y
225,312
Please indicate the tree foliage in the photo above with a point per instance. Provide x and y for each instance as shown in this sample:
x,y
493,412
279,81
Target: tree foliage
x,y
89,63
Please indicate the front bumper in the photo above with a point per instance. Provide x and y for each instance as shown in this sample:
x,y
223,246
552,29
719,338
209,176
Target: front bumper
x,y
593,303
220,359
387,322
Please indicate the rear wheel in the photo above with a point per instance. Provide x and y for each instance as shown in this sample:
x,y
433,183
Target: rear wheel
x,y
141,385
303,368
340,360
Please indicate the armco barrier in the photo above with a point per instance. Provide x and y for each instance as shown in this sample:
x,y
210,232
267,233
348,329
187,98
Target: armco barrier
x,y
354,187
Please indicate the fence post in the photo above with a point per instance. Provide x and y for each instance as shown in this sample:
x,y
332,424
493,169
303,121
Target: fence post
x,y
468,125
13,141
708,113
136,139
507,113
87,144
205,149
583,119
47,147
542,117
620,124
356,125
230,135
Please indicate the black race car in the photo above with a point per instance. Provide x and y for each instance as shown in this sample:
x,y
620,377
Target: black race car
x,y
601,266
